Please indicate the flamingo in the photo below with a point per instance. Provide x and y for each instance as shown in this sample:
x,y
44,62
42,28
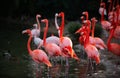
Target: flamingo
x,y
36,30
114,18
91,50
65,42
113,47
52,48
105,24
38,55
98,42
52,39
117,28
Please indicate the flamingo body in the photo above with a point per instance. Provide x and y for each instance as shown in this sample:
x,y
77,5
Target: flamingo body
x,y
40,56
37,55
37,41
92,52
105,24
99,43
53,39
53,49
114,48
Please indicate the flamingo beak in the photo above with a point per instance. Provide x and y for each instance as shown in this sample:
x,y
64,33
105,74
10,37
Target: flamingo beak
x,y
83,13
78,31
35,25
42,20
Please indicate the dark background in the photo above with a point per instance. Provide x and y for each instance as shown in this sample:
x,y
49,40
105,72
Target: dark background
x,y
47,8
23,12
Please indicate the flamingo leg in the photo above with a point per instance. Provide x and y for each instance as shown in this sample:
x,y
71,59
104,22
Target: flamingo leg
x,y
48,74
67,63
89,67
66,72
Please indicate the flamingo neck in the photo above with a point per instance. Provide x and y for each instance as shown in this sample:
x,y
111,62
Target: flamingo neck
x,y
62,27
28,44
38,23
117,12
45,33
93,28
102,17
57,26
110,37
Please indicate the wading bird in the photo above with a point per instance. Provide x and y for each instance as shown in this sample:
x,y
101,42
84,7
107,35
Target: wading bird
x,y
51,48
37,55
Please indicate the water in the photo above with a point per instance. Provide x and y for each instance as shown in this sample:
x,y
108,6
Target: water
x,y
16,63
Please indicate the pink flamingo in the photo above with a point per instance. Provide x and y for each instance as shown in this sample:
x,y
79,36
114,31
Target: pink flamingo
x,y
65,42
105,24
90,49
113,47
52,39
98,42
37,55
52,48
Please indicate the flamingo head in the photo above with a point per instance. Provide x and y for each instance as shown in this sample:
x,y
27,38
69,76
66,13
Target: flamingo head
x,y
38,16
56,15
44,20
87,23
102,4
61,14
81,30
82,17
28,31
85,13
35,25
69,50
94,19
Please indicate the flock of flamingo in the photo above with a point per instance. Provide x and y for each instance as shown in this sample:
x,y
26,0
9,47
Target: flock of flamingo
x,y
62,46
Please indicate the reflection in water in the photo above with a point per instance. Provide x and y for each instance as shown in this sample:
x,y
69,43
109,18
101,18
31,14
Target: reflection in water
x,y
78,70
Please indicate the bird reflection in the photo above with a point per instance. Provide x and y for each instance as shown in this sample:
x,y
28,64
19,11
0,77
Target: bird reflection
x,y
55,71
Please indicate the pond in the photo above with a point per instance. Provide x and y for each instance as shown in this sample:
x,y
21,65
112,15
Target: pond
x,y
16,63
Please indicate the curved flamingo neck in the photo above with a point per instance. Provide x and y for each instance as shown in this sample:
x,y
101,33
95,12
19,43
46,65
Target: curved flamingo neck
x,y
110,37
45,33
56,24
62,26
38,22
102,16
28,44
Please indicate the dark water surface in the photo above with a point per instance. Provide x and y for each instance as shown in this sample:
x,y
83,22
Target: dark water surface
x,y
16,63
